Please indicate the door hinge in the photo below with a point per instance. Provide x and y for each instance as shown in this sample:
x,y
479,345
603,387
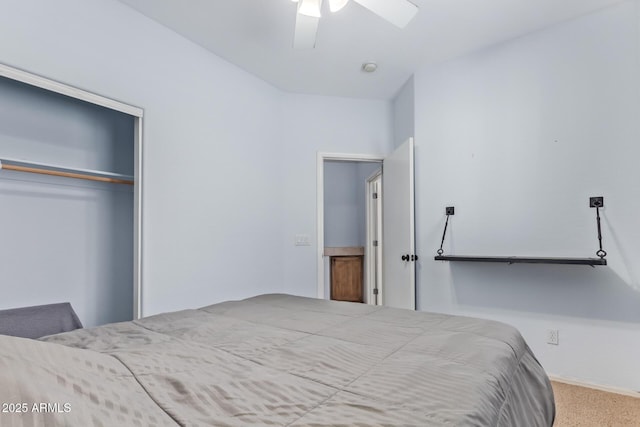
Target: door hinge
x,y
375,291
375,195
375,243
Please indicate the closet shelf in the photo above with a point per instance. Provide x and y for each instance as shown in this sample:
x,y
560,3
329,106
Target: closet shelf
x,y
48,169
523,260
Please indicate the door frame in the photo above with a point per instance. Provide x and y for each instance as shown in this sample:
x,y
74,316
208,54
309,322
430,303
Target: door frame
x,y
137,113
373,270
320,159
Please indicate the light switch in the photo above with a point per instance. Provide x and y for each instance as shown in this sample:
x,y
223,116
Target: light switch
x,y
303,240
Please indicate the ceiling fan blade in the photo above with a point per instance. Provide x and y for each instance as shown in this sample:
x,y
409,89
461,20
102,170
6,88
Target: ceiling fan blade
x,y
310,7
306,30
398,12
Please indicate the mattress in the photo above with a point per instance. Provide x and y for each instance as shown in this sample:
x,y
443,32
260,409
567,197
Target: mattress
x,y
278,360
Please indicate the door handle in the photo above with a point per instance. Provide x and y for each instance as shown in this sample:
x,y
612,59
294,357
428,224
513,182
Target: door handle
x,y
405,257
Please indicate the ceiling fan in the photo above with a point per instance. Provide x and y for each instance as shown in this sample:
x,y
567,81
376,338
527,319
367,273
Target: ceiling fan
x,y
398,12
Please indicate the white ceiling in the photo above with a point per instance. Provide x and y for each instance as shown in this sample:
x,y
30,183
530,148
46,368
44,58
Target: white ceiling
x,y
257,35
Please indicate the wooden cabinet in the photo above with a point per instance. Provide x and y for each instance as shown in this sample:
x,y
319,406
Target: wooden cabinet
x,y
346,278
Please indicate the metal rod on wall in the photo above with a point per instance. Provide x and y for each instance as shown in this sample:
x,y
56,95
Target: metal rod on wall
x,y
65,172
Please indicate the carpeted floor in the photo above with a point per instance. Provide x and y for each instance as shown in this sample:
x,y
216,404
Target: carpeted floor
x,y
585,407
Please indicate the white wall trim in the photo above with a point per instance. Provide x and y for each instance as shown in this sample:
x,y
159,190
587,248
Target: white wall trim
x,y
70,91
607,389
370,267
321,157
137,220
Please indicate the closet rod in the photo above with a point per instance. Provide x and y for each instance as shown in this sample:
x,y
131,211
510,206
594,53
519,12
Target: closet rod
x,y
40,168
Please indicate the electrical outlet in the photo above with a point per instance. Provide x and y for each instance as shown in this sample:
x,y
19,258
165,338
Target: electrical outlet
x,y
552,336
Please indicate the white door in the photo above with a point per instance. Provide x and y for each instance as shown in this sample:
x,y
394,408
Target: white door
x,y
399,258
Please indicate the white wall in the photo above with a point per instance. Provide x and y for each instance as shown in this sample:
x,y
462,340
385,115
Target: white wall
x,y
327,124
342,217
404,113
212,193
517,137
345,222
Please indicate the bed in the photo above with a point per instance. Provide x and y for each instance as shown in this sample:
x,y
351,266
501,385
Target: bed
x,y
277,360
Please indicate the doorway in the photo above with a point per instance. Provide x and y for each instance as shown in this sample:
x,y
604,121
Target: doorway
x,y
395,274
346,238
323,261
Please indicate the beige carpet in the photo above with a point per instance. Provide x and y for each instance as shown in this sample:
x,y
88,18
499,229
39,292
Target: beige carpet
x,y
581,406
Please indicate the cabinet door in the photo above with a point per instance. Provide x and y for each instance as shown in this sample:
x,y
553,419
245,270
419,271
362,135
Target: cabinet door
x,y
346,278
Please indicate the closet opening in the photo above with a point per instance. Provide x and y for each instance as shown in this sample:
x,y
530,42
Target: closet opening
x,y
70,191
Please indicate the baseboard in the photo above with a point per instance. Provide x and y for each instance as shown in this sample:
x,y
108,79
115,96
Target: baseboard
x,y
595,386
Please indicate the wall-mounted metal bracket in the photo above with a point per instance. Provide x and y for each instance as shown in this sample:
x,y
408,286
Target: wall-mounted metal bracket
x,y
448,211
596,202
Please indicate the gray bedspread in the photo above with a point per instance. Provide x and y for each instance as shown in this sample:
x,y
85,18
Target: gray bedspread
x,y
39,320
278,360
